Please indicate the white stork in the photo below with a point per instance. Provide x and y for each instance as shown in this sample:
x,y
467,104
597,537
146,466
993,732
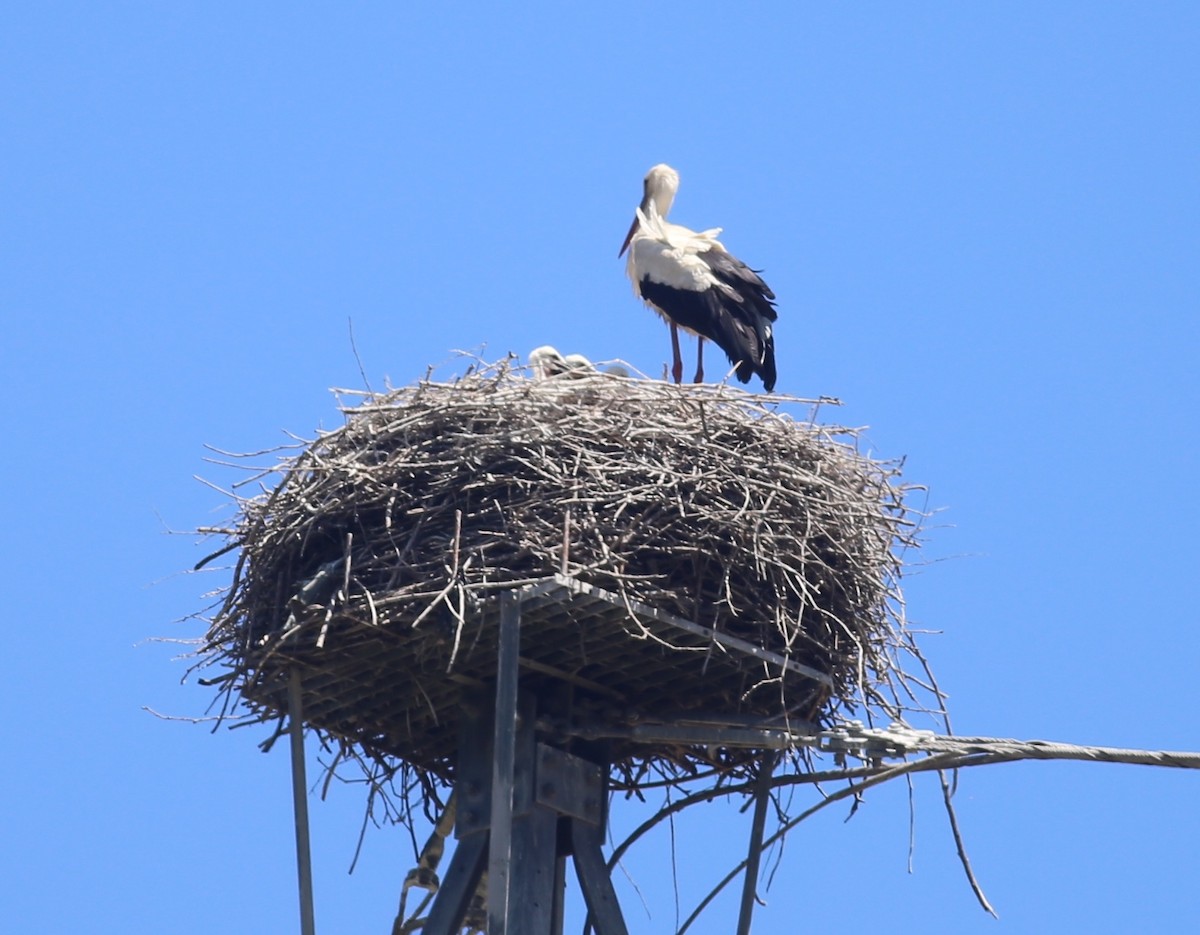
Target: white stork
x,y
547,362
694,283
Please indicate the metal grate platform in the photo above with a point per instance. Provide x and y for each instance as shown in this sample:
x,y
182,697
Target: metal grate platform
x,y
399,690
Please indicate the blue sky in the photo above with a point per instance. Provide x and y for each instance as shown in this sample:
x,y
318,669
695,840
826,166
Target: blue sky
x,y
982,222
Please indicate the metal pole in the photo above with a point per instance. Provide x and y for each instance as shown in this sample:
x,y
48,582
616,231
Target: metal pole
x,y
762,794
300,803
500,836
558,908
457,887
472,801
587,841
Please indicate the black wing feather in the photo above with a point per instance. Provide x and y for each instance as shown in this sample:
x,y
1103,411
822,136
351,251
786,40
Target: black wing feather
x,y
738,320
755,308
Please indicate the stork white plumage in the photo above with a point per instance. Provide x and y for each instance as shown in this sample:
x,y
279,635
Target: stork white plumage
x,y
694,283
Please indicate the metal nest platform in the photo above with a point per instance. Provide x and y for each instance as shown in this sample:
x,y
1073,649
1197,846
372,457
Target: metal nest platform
x,y
609,663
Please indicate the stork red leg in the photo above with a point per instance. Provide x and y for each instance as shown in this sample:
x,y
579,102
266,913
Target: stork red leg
x,y
677,366
700,360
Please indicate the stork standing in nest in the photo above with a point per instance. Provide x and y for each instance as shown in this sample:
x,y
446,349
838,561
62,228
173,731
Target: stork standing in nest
x,y
694,283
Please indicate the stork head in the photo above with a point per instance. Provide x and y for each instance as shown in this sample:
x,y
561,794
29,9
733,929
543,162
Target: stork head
x,y
546,361
658,191
659,187
578,362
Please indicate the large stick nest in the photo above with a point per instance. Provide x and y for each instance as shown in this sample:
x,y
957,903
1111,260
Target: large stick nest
x,y
373,566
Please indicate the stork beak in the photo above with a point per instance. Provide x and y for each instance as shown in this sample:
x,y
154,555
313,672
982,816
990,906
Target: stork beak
x,y
628,237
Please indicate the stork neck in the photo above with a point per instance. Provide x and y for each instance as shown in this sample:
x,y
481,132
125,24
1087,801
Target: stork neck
x,y
656,204
662,202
